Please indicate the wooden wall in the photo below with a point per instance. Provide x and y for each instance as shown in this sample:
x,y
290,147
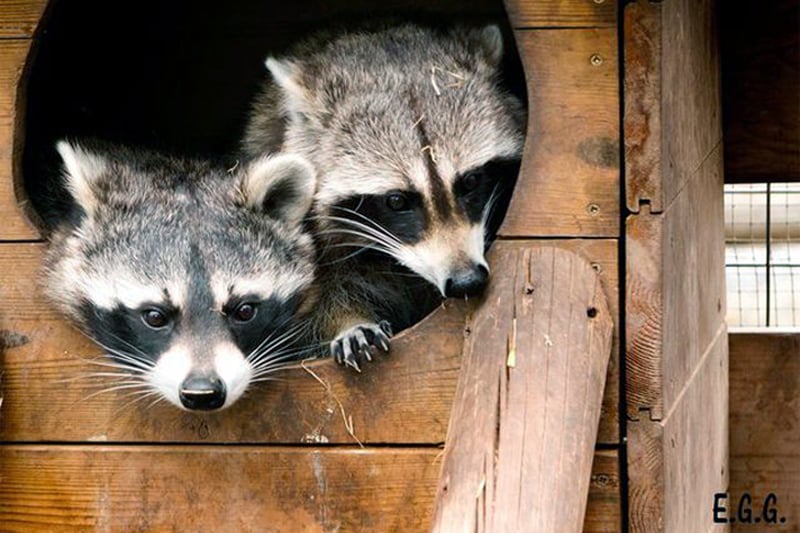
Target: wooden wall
x,y
328,451
676,340
765,426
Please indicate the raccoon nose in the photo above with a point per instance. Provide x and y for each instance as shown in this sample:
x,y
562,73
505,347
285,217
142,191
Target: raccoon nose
x,y
202,393
467,282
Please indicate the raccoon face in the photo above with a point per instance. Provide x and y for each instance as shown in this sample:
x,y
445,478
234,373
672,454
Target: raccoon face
x,y
414,140
188,277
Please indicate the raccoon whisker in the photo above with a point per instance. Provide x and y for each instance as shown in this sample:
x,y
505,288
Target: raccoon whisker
x,y
280,358
268,337
142,396
376,243
116,388
129,357
372,224
109,363
265,358
270,350
136,350
365,233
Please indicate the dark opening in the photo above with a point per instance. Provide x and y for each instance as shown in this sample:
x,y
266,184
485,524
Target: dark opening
x,y
178,76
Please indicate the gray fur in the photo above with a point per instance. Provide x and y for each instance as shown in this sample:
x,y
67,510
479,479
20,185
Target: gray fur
x,y
155,228
359,107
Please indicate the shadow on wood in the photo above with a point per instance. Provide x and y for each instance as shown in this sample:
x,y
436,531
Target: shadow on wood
x,y
519,448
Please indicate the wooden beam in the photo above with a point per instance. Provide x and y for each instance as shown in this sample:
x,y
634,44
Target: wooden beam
x,y
178,488
45,379
521,437
19,18
569,180
764,423
561,13
13,205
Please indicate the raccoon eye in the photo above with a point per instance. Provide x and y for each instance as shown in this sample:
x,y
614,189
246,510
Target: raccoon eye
x,y
472,180
155,318
397,201
244,313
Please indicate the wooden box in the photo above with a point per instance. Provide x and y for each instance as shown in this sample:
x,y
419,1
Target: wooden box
x,y
622,165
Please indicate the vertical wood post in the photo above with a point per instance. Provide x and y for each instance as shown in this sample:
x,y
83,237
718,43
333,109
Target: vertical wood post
x,y
521,439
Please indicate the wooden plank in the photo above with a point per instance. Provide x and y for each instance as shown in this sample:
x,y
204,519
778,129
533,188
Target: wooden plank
x,y
765,428
761,81
765,404
569,181
19,18
675,290
238,489
47,399
691,120
758,477
642,116
13,54
561,13
695,443
521,437
676,464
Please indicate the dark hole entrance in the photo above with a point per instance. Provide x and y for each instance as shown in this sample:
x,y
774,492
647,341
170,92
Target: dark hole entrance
x,y
179,76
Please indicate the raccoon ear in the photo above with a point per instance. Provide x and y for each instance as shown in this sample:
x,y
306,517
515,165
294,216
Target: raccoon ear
x,y
286,74
81,170
280,186
490,39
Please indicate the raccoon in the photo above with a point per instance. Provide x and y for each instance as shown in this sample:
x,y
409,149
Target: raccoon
x,y
187,276
413,139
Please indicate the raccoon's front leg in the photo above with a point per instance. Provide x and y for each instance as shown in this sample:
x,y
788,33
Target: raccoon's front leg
x,y
360,342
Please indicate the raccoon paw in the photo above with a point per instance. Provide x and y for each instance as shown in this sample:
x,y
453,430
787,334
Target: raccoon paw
x,y
361,342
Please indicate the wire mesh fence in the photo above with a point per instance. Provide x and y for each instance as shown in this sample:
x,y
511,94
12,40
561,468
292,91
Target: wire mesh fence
x,y
762,254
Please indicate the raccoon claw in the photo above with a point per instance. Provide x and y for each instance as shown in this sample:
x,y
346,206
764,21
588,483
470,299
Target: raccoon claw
x,y
361,342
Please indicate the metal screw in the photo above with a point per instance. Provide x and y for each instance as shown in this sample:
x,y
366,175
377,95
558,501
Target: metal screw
x,y
593,209
599,1
597,268
596,60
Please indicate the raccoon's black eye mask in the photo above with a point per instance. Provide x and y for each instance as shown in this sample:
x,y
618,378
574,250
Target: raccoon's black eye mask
x,y
474,188
400,213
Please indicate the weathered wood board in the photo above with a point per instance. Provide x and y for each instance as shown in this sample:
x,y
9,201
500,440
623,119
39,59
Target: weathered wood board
x,y
765,425
239,489
47,399
15,226
569,181
19,18
521,437
676,349
561,13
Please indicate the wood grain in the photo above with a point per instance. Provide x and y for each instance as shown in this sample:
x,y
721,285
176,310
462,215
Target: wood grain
x,y
403,398
238,489
765,423
561,13
19,18
676,464
521,437
675,294
695,443
569,181
642,116
691,114
765,394
761,81
15,226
